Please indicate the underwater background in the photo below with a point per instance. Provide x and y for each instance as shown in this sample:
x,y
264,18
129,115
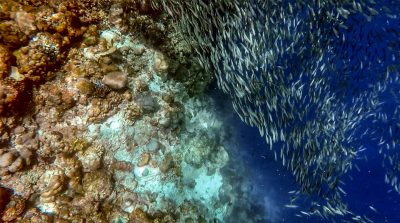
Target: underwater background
x,y
149,111
367,194
366,189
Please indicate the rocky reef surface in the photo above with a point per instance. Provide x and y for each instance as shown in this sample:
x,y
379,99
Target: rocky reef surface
x,y
103,118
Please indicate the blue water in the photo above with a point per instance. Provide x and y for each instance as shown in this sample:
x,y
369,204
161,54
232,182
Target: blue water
x,y
367,42
271,182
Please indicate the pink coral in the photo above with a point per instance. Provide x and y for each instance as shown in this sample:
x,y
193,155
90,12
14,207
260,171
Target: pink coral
x,y
25,21
116,80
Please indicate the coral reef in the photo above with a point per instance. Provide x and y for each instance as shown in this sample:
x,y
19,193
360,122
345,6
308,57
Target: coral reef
x,y
34,42
102,118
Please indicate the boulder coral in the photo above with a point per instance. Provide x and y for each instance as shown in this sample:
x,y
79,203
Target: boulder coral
x,y
115,80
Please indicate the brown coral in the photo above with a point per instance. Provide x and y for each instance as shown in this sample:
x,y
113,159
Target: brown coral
x,y
85,87
54,187
116,16
17,157
160,63
133,112
53,30
91,158
166,163
10,93
97,185
144,159
6,159
5,61
10,162
70,164
26,142
101,109
52,143
59,98
122,166
14,208
25,22
42,55
139,215
33,215
11,35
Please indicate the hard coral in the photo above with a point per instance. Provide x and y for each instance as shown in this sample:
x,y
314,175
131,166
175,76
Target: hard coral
x,y
33,215
53,28
43,54
14,209
101,109
9,94
72,170
147,103
85,87
26,142
25,22
132,113
144,159
122,166
116,16
91,158
139,215
4,134
10,162
97,185
160,63
6,159
115,80
63,18
5,61
59,98
52,143
11,35
54,186
166,163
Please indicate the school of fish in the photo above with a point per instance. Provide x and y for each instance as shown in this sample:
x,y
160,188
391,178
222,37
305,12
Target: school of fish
x,y
317,81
